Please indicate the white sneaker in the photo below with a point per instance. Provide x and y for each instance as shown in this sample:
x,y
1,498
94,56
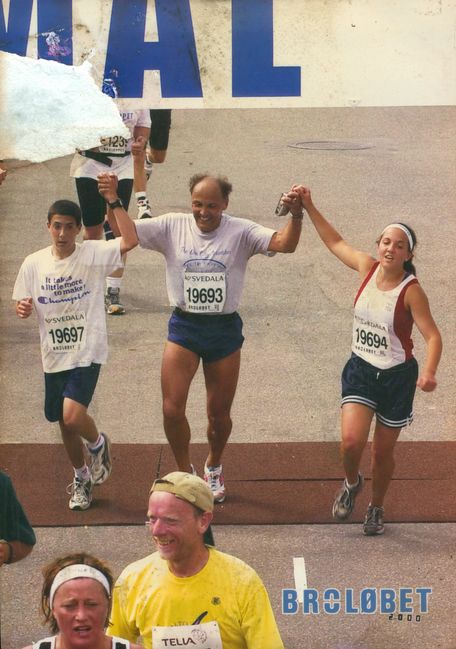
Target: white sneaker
x,y
112,302
213,475
81,494
345,499
144,209
101,462
373,523
148,166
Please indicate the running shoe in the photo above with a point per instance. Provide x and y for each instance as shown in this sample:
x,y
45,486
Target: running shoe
x,y
112,302
213,475
148,166
101,462
345,499
81,494
144,209
373,523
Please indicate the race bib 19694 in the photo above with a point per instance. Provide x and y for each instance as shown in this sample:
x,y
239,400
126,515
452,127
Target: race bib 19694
x,y
66,333
204,292
197,636
370,338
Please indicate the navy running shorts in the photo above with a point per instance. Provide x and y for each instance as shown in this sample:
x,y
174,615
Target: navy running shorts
x,y
211,337
93,205
160,123
388,392
78,384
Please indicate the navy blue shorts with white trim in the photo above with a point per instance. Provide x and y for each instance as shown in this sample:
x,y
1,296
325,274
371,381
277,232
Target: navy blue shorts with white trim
x,y
388,392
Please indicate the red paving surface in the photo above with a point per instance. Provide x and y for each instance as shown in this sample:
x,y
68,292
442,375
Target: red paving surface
x,y
278,483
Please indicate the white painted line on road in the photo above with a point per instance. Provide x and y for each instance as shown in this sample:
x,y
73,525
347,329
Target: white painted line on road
x,y
300,576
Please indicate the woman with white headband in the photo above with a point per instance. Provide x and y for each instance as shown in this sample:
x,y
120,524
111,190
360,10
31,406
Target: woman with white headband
x,y
76,602
381,376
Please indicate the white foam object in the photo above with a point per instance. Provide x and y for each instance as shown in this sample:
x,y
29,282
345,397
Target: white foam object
x,y
48,109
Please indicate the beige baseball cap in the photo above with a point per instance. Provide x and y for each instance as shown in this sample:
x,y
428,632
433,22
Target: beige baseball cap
x,y
188,487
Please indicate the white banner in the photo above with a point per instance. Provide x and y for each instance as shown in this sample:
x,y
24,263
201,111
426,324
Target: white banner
x,y
248,53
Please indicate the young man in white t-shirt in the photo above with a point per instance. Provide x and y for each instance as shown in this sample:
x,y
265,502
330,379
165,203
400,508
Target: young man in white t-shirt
x,y
64,283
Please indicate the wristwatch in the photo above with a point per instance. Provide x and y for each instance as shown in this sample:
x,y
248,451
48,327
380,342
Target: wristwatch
x,y
116,203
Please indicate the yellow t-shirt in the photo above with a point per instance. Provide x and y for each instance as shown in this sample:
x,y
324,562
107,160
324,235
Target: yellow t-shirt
x,y
226,591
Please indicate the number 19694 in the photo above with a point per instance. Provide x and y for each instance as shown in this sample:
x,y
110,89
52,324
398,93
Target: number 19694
x,y
370,339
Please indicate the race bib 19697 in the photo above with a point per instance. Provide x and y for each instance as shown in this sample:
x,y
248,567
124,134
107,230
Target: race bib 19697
x,y
66,333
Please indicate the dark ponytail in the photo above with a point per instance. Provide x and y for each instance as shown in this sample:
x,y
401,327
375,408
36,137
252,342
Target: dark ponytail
x,y
408,265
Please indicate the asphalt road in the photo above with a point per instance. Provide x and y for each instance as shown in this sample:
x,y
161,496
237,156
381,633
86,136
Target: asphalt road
x,y
376,166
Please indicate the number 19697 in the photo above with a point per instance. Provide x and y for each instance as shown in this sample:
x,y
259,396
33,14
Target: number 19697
x,y
67,335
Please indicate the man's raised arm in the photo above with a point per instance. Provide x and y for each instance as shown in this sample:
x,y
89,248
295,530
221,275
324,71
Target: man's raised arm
x,y
123,226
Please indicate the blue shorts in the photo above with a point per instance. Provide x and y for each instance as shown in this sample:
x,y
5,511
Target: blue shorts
x,y
78,384
388,392
212,337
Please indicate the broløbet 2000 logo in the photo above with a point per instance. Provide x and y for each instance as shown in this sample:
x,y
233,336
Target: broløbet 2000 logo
x,y
402,604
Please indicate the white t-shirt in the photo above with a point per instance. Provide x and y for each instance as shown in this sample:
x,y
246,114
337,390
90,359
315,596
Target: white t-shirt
x,y
82,167
204,270
68,296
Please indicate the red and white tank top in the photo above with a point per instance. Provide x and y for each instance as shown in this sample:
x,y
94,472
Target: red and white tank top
x,y
49,643
382,326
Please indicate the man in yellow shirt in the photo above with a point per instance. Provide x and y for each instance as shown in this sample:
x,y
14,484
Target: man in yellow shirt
x,y
188,593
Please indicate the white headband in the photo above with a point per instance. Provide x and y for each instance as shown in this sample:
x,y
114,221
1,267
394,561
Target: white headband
x,y
404,229
76,571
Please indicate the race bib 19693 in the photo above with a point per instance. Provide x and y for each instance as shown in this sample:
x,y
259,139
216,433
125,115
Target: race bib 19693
x,y
370,338
66,333
197,636
204,292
